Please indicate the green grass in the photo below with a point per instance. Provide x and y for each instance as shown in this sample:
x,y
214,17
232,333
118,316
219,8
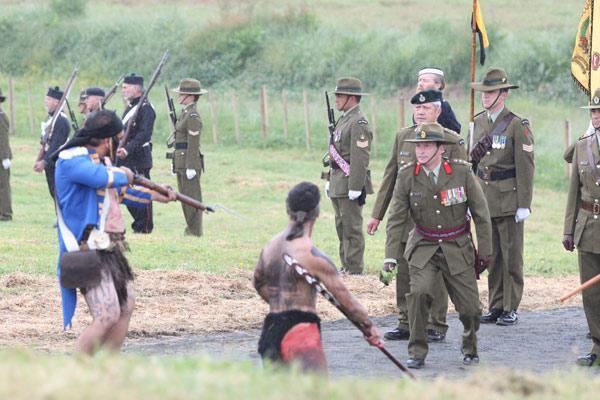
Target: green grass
x,y
34,376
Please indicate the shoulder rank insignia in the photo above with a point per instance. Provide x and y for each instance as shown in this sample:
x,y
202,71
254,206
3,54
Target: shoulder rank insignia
x,y
528,148
406,166
525,121
363,121
193,133
461,142
460,161
362,144
193,114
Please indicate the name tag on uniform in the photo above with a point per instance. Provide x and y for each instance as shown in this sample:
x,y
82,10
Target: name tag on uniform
x,y
404,153
499,141
453,196
583,162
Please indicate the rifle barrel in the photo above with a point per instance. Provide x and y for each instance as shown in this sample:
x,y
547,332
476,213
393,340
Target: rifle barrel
x,y
145,182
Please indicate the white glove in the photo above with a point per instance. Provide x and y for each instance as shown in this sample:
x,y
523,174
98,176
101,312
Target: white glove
x,y
354,194
522,214
6,163
327,189
190,173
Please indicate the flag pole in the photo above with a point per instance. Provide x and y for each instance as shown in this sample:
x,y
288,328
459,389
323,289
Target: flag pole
x,y
473,55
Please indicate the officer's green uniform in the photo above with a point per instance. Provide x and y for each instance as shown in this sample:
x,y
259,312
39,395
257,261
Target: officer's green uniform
x,y
439,241
582,221
402,154
506,175
352,140
187,155
5,153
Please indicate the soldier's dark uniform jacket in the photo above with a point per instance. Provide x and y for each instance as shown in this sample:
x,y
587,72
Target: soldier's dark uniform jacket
x,y
60,134
139,142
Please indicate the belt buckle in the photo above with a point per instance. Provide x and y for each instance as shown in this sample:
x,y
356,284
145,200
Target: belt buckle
x,y
485,175
596,208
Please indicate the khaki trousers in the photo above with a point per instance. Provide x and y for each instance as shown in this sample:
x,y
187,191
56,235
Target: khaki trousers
x,y
589,267
191,188
5,198
349,227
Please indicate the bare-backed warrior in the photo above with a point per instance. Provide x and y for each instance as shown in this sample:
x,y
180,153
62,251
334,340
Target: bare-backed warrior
x,y
291,330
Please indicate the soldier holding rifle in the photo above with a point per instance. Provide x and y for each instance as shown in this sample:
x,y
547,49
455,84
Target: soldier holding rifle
x,y
5,160
90,100
582,226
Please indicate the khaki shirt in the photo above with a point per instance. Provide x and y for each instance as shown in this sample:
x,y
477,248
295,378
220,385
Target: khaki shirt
x,y
4,145
438,207
352,139
584,225
514,150
188,130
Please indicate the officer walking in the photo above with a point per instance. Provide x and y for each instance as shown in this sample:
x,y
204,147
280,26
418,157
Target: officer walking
x,y
349,175
582,226
433,78
503,156
188,161
439,195
427,107
5,157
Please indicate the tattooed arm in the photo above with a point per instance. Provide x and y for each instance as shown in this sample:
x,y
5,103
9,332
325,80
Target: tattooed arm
x,y
259,280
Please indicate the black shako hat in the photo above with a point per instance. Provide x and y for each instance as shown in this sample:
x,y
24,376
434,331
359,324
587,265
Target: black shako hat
x,y
426,96
304,196
94,91
55,93
133,79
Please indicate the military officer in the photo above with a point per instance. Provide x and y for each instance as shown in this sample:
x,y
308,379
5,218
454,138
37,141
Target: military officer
x,y
582,226
349,175
188,162
427,106
439,195
52,137
503,156
5,157
433,78
137,152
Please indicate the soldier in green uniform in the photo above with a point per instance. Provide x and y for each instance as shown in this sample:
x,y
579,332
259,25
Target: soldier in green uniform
x,y
349,175
187,159
503,160
439,195
427,109
5,157
582,226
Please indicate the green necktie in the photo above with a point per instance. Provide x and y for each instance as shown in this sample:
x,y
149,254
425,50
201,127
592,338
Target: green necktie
x,y
433,177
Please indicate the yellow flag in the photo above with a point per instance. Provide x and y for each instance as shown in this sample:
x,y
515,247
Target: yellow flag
x,y
582,53
481,27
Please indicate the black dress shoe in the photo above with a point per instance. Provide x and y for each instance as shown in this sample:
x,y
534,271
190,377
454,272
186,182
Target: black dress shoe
x,y
397,334
491,317
588,360
508,318
471,359
435,336
415,363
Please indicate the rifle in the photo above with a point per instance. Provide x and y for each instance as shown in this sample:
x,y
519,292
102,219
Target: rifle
x,y
590,282
331,126
61,103
111,92
147,183
74,123
172,118
315,283
132,120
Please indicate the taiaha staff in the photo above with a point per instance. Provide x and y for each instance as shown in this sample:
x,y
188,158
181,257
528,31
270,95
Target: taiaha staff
x,y
147,183
589,283
314,282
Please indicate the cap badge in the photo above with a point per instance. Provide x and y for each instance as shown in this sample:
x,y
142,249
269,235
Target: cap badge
x,y
422,98
423,134
596,100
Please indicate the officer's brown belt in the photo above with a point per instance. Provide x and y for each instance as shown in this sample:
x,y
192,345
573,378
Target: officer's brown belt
x,y
594,208
443,234
497,175
180,146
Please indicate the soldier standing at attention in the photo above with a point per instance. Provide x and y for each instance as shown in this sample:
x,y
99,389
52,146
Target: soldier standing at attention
x,y
5,157
137,152
56,136
90,100
427,106
582,226
439,195
188,162
349,176
503,161
433,78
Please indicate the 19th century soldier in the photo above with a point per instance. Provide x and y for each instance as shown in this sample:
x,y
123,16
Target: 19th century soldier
x,y
90,100
88,191
5,157
433,78
137,152
187,157
292,330
427,108
52,136
582,226
503,156
439,195
349,175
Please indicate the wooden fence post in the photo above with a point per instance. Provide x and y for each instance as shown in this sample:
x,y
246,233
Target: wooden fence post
x,y
31,114
306,119
284,95
236,117
401,114
213,118
567,143
374,125
264,112
13,112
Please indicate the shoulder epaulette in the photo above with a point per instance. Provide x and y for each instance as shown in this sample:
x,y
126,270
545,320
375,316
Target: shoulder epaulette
x,y
194,114
525,121
459,161
451,131
363,121
406,166
73,152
